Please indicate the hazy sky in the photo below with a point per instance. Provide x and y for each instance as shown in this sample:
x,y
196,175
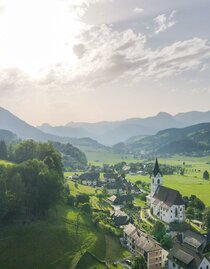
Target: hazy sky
x,y
92,60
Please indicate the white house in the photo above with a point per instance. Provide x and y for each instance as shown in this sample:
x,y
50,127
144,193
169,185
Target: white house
x,y
165,203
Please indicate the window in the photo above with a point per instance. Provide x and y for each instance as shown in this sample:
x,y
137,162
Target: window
x,y
174,265
176,212
158,181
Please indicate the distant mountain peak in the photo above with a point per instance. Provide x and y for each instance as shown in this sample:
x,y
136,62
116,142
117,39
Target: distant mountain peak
x,y
164,115
45,125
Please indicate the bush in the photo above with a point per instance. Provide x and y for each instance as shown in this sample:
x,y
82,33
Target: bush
x,y
82,198
71,200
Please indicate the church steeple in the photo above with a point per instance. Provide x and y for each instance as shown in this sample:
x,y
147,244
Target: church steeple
x,y
156,169
156,178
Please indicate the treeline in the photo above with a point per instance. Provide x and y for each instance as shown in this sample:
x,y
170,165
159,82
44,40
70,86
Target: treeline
x,y
29,188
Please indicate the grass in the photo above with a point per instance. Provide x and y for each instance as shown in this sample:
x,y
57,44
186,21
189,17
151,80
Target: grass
x,y
3,162
99,205
187,185
79,189
54,243
139,202
105,157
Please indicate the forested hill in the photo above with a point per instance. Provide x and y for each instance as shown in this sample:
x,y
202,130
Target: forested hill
x,y
7,136
72,157
193,140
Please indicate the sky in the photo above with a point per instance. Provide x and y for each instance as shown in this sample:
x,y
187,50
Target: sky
x,y
95,60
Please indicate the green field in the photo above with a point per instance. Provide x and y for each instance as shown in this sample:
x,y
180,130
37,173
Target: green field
x,y
104,157
187,185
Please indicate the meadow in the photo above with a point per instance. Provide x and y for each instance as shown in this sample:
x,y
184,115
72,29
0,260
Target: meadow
x,y
105,157
55,243
186,185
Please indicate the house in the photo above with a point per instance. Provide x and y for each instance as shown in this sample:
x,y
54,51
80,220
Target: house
x,y
110,177
112,199
90,179
165,203
116,187
120,218
124,199
189,251
142,244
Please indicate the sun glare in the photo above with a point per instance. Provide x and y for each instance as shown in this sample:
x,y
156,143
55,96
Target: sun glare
x,y
38,34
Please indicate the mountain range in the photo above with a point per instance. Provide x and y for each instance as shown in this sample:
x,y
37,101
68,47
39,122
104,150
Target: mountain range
x,y
23,130
132,132
109,133
192,140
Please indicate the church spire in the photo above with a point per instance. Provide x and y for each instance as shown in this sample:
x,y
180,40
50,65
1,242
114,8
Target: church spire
x,y
156,169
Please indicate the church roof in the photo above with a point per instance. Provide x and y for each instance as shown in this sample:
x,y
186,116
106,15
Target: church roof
x,y
168,196
156,169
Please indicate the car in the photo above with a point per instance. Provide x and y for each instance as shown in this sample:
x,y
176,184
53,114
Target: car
x,y
128,262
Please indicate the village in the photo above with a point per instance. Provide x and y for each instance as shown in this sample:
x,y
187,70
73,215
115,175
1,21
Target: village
x,y
156,232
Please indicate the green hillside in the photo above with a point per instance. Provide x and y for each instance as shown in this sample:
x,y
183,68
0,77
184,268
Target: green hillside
x,y
54,243
192,140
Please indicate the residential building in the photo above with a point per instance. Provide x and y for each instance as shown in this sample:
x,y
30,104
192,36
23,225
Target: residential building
x,y
142,244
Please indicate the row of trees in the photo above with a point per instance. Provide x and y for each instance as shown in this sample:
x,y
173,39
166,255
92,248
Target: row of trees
x,y
29,188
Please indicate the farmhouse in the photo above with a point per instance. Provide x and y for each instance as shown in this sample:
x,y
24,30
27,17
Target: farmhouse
x,y
90,179
124,199
142,244
165,203
189,252
120,218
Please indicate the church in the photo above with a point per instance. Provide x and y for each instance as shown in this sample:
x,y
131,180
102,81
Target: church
x,y
165,203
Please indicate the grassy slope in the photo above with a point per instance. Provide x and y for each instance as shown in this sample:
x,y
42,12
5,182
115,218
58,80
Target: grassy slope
x,y
54,243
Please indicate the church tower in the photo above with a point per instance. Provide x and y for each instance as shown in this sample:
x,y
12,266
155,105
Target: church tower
x,y
156,178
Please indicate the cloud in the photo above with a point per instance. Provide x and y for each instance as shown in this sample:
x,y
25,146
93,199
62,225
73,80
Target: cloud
x,y
81,6
138,10
106,55
163,22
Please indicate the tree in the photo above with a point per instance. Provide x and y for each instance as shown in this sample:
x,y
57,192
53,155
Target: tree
x,y
159,230
166,242
206,175
140,263
206,218
3,151
70,200
190,213
86,208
